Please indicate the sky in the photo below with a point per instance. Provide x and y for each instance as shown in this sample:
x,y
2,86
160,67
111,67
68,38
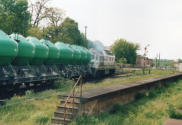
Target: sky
x,y
154,22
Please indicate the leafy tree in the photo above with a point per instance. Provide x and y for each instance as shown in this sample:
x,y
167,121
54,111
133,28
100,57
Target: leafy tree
x,y
67,32
83,42
70,32
36,32
14,16
38,11
55,16
52,33
125,49
122,60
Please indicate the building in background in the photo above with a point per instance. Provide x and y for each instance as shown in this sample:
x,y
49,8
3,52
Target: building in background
x,y
142,61
178,65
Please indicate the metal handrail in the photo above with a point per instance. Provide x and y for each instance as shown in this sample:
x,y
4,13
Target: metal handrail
x,y
73,96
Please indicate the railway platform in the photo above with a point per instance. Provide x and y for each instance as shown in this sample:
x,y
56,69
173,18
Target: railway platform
x,y
94,101
173,122
103,98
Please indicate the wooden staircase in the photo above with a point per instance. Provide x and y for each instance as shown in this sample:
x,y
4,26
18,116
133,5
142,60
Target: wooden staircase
x,y
69,106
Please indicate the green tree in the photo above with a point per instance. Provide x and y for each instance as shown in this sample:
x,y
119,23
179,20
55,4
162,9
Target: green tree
x,y
14,16
52,33
66,32
125,49
70,32
122,60
38,11
36,32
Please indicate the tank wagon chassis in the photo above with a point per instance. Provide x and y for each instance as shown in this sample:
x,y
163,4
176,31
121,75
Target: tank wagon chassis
x,y
33,74
29,60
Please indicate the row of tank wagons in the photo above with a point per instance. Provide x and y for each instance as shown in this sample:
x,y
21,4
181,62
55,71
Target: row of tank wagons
x,y
18,50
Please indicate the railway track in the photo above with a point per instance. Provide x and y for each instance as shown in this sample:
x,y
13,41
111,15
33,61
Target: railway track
x,y
7,92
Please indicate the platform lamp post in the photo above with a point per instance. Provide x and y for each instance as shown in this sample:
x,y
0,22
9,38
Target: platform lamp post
x,y
86,36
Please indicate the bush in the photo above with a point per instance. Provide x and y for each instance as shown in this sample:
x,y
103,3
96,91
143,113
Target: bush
x,y
86,120
173,113
139,96
29,93
63,83
42,120
153,94
116,108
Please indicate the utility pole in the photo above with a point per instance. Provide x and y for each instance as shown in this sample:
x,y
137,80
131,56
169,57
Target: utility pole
x,y
156,61
145,55
86,36
159,59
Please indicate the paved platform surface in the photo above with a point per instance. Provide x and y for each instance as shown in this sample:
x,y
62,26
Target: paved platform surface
x,y
101,91
173,122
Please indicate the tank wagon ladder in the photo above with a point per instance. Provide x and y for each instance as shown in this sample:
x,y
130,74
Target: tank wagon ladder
x,y
69,105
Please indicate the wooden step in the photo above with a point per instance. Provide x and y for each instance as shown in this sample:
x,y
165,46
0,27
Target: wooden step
x,y
71,99
61,115
69,109
70,103
57,120
76,96
66,96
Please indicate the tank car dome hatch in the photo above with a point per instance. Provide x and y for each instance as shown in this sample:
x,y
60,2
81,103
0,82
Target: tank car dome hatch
x,y
8,49
26,50
66,54
41,51
53,52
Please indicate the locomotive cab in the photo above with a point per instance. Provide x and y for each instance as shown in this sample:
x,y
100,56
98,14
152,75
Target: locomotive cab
x,y
102,63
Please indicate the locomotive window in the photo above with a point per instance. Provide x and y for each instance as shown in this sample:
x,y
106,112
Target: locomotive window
x,y
101,58
97,58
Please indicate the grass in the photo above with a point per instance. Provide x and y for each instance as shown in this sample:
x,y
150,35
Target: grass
x,y
138,75
40,110
29,113
150,109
